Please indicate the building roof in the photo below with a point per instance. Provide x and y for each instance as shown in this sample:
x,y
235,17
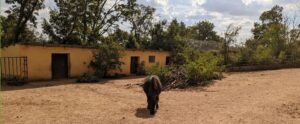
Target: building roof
x,y
80,46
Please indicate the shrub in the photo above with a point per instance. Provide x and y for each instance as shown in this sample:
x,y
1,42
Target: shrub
x,y
196,72
263,55
161,71
203,69
141,69
282,57
106,58
87,78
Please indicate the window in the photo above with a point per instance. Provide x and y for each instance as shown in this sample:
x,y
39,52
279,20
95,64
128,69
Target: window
x,y
151,59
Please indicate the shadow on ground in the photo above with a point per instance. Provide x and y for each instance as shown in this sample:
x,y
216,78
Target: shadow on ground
x,y
49,83
143,113
41,84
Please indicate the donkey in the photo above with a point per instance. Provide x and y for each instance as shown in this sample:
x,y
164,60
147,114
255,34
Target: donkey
x,y
152,88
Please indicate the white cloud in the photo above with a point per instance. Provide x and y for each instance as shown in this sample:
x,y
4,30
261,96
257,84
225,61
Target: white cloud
x,y
198,2
160,2
220,12
262,2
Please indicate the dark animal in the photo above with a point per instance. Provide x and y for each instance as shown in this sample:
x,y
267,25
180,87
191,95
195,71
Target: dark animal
x,y
152,88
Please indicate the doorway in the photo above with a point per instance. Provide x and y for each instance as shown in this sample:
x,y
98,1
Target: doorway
x,y
60,66
134,64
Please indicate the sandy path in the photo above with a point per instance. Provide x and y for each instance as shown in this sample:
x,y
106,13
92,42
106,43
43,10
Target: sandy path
x,y
267,97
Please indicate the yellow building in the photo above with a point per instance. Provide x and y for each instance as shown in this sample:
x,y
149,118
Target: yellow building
x,y
44,62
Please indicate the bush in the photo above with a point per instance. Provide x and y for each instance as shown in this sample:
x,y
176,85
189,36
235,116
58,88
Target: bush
x,y
142,69
87,78
106,58
203,69
192,73
15,81
161,71
263,55
282,57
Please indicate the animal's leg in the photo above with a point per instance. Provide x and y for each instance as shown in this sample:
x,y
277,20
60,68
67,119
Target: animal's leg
x,y
157,99
148,101
152,106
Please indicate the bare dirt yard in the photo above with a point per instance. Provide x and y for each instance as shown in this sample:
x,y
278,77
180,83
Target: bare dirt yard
x,y
264,97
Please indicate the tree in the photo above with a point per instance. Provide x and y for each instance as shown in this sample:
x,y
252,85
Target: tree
x,y
120,36
204,31
63,24
7,36
21,13
106,58
1,22
267,18
83,22
229,37
175,40
270,33
105,15
140,18
158,36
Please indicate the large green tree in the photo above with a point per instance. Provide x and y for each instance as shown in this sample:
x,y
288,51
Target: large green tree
x,y
267,19
158,36
20,15
63,24
204,31
83,22
270,31
140,18
107,58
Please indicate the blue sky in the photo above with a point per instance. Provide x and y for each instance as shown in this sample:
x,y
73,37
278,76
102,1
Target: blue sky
x,y
221,12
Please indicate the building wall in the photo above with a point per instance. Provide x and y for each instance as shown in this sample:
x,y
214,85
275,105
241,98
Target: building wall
x,y
160,57
11,51
40,57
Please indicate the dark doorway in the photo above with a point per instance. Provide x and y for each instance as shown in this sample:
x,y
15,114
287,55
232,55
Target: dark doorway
x,y
60,66
134,63
168,60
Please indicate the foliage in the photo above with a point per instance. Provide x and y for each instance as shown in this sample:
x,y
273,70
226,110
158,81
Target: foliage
x,y
204,31
229,38
7,37
161,71
158,36
141,69
262,55
203,68
196,71
82,22
23,11
21,15
140,18
120,36
274,41
106,58
87,78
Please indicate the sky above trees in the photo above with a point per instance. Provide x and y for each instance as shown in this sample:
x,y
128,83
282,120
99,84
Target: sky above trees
x,y
220,12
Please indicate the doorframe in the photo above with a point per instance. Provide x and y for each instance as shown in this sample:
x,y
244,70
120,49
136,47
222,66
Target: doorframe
x,y
138,60
68,64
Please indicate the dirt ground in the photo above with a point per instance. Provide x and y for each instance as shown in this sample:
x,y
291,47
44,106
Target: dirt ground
x,y
265,97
